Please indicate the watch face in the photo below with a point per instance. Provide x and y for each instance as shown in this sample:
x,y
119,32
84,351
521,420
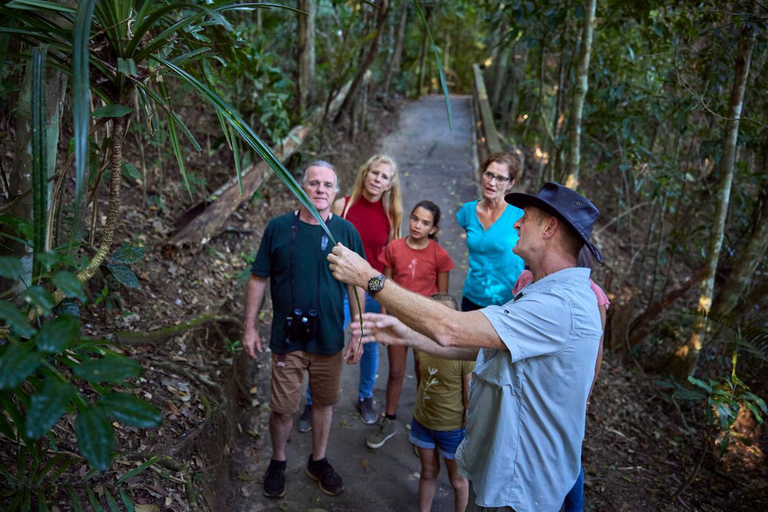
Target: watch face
x,y
376,283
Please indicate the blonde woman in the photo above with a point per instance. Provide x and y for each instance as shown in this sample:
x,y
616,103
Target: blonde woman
x,y
375,208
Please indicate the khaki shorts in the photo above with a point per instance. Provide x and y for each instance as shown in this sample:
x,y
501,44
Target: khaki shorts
x,y
288,379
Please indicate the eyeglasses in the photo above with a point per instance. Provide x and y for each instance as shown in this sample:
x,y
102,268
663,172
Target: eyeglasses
x,y
489,176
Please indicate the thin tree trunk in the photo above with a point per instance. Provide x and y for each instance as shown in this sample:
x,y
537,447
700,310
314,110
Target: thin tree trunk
x,y
447,50
687,355
366,61
745,267
500,68
422,60
397,56
579,93
306,52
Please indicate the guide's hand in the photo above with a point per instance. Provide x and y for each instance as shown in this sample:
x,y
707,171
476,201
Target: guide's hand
x,y
251,340
385,329
348,267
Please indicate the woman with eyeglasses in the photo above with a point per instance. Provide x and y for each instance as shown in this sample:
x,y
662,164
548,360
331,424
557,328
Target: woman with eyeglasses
x,y
493,267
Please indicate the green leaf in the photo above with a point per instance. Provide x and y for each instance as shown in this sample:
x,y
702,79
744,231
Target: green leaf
x,y
69,285
39,139
47,406
15,319
41,506
17,363
40,297
40,5
124,276
751,407
135,471
111,501
126,66
128,255
748,395
95,438
689,394
81,97
108,369
74,500
10,268
95,505
131,410
111,111
127,503
700,383
55,336
131,171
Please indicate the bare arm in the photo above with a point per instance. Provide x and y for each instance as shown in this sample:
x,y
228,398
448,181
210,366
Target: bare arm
x,y
599,361
387,272
355,349
254,295
391,331
442,282
447,327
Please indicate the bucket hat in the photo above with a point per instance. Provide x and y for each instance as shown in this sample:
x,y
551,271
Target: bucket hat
x,y
568,205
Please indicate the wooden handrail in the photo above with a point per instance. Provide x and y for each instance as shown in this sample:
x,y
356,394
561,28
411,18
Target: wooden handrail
x,y
487,137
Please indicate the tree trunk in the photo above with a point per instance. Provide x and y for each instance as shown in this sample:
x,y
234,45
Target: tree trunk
x,y
745,267
20,175
306,52
366,61
397,55
422,59
500,68
579,93
447,50
687,355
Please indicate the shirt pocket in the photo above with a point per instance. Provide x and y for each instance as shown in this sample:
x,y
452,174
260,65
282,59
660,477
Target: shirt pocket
x,y
496,369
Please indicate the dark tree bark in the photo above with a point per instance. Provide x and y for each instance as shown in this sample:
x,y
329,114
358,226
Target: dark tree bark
x,y
366,61
393,67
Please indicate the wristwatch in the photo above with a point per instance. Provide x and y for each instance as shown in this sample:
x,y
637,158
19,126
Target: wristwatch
x,y
375,284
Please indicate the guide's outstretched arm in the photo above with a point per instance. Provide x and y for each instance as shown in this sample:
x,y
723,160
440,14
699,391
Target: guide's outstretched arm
x,y
445,326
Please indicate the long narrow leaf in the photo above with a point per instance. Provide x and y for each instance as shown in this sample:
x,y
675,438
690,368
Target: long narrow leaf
x,y
252,139
81,106
177,151
172,116
439,63
40,5
135,471
39,158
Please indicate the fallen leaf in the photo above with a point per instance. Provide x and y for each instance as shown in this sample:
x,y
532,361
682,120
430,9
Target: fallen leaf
x,y
141,507
364,465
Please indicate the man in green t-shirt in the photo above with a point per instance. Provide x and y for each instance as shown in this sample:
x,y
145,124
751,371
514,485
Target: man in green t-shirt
x,y
307,324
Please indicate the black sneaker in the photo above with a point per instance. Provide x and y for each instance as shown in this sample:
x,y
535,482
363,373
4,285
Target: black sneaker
x,y
274,480
367,413
305,420
322,472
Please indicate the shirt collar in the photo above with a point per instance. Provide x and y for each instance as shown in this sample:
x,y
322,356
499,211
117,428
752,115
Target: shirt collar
x,y
567,274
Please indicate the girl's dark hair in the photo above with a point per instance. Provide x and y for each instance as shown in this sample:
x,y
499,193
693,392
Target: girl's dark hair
x,y
434,210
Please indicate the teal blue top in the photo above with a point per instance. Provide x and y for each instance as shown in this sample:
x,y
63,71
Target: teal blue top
x,y
493,267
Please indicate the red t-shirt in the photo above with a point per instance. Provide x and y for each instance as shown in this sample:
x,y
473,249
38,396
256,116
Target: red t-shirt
x,y
372,223
416,269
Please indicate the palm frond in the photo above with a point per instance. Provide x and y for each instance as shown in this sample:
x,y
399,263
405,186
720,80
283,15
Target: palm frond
x,y
439,63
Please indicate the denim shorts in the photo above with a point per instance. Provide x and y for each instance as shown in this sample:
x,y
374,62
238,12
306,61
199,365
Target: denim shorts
x,y
446,441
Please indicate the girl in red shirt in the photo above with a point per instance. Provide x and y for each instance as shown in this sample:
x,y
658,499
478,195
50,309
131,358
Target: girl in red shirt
x,y
375,208
417,263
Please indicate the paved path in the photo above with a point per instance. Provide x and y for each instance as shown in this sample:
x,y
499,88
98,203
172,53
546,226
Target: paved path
x,y
438,165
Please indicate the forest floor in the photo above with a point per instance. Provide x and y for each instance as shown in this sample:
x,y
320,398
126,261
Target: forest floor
x,y
638,450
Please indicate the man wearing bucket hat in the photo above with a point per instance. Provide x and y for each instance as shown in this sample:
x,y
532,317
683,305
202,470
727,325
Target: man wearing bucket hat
x,y
535,355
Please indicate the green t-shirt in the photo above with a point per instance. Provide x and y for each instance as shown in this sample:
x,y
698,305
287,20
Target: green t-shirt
x,y
310,259
439,401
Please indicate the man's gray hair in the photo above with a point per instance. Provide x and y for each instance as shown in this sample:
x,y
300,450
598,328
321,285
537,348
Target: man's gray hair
x,y
319,163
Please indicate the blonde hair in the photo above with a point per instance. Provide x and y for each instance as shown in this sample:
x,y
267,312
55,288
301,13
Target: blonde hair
x,y
391,199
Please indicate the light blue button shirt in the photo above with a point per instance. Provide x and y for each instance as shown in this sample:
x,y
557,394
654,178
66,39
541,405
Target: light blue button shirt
x,y
527,404
493,267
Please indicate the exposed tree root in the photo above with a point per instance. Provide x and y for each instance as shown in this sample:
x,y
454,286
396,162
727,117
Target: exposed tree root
x,y
155,335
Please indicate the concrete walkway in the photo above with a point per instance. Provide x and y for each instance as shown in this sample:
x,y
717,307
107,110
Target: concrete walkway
x,y
438,165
